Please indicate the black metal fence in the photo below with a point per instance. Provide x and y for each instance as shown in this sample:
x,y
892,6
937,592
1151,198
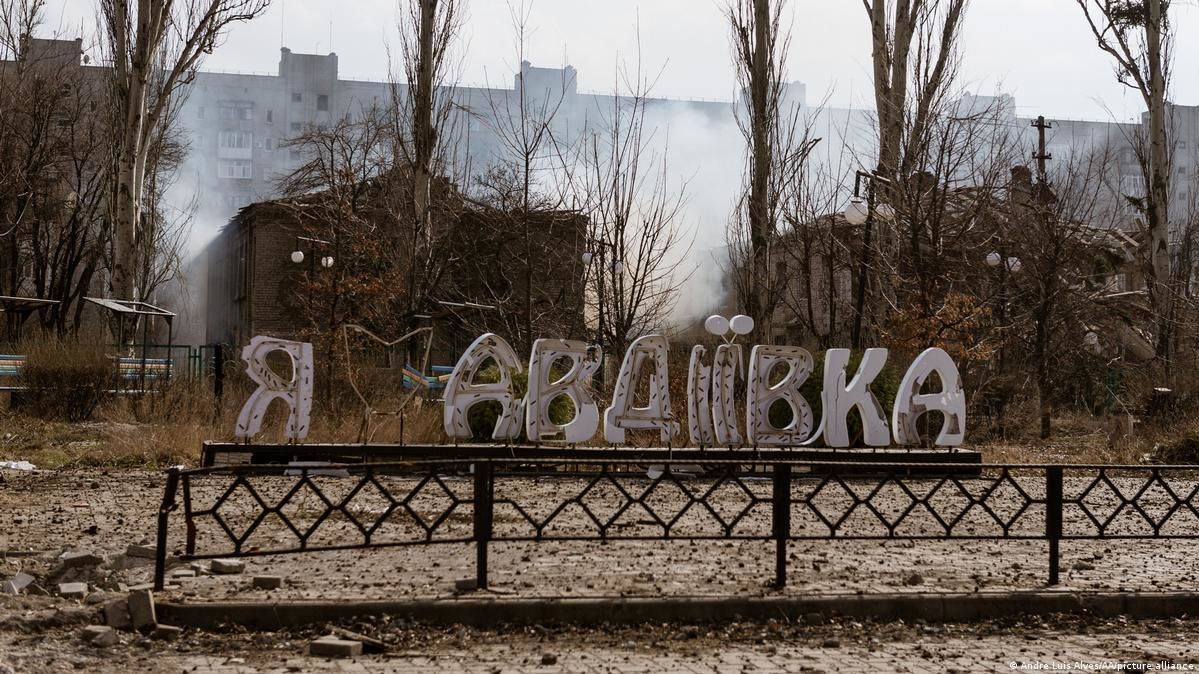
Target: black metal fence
x,y
246,510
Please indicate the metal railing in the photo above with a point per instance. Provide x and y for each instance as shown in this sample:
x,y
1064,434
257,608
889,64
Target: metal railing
x,y
251,510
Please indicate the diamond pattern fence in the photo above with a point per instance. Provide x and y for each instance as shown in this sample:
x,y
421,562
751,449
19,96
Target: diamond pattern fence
x,y
270,509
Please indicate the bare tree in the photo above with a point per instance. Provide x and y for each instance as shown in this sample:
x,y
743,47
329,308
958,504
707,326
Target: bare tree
x,y
913,45
775,141
915,61
528,183
1136,34
155,47
53,170
635,214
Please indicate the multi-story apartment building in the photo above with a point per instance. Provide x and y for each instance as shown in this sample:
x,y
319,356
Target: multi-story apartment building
x,y
238,126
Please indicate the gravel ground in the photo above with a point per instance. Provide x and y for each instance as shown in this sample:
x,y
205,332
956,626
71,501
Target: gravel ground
x,y
45,640
44,513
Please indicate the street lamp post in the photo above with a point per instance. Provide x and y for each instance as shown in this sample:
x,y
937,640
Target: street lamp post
x,y
298,257
859,213
601,247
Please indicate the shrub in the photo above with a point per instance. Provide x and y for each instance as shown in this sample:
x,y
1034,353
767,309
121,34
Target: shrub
x,y
66,380
884,387
482,416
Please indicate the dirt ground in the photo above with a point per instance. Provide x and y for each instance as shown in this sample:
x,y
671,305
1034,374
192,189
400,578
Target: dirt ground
x,y
44,513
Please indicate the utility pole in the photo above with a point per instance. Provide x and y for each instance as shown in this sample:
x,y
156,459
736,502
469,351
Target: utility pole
x,y
1041,155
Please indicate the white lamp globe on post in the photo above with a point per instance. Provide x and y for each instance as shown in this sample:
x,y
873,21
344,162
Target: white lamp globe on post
x,y
297,256
856,212
327,261
586,257
1013,264
741,324
717,325
993,259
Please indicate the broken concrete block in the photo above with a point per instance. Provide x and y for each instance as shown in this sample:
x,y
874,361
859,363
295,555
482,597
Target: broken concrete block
x,y
17,583
99,635
183,573
75,559
166,632
332,647
116,615
268,582
141,609
141,551
466,584
369,645
228,566
72,590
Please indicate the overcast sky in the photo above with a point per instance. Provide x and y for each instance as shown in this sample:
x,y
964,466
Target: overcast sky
x,y
1041,51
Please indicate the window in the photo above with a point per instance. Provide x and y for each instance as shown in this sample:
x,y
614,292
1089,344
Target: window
x,y
296,126
231,110
235,168
241,140
270,144
200,112
270,116
322,102
294,155
296,97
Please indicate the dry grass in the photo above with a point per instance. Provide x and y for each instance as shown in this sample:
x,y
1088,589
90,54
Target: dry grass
x,y
168,428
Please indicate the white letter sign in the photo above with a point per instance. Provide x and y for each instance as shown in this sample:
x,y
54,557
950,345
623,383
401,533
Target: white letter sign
x,y
621,415
724,407
761,395
542,391
462,393
840,398
910,403
296,392
699,383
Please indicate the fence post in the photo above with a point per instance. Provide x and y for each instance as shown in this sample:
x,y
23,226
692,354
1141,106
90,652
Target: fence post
x,y
164,512
218,373
781,511
484,488
1053,517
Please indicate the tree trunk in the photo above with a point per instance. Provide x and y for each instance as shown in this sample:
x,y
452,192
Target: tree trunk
x,y
1159,179
759,206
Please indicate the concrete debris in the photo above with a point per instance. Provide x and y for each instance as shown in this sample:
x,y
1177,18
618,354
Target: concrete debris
x,y
141,551
17,583
76,559
369,645
268,582
72,590
116,615
99,635
332,647
228,566
141,609
466,585
166,632
17,465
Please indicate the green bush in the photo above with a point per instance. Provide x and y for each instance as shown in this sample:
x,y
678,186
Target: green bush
x,y
66,380
884,387
483,416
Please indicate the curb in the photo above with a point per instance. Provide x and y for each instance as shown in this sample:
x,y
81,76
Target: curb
x,y
616,610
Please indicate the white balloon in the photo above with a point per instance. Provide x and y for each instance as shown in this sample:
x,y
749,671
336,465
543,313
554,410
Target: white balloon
x,y
717,325
742,324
